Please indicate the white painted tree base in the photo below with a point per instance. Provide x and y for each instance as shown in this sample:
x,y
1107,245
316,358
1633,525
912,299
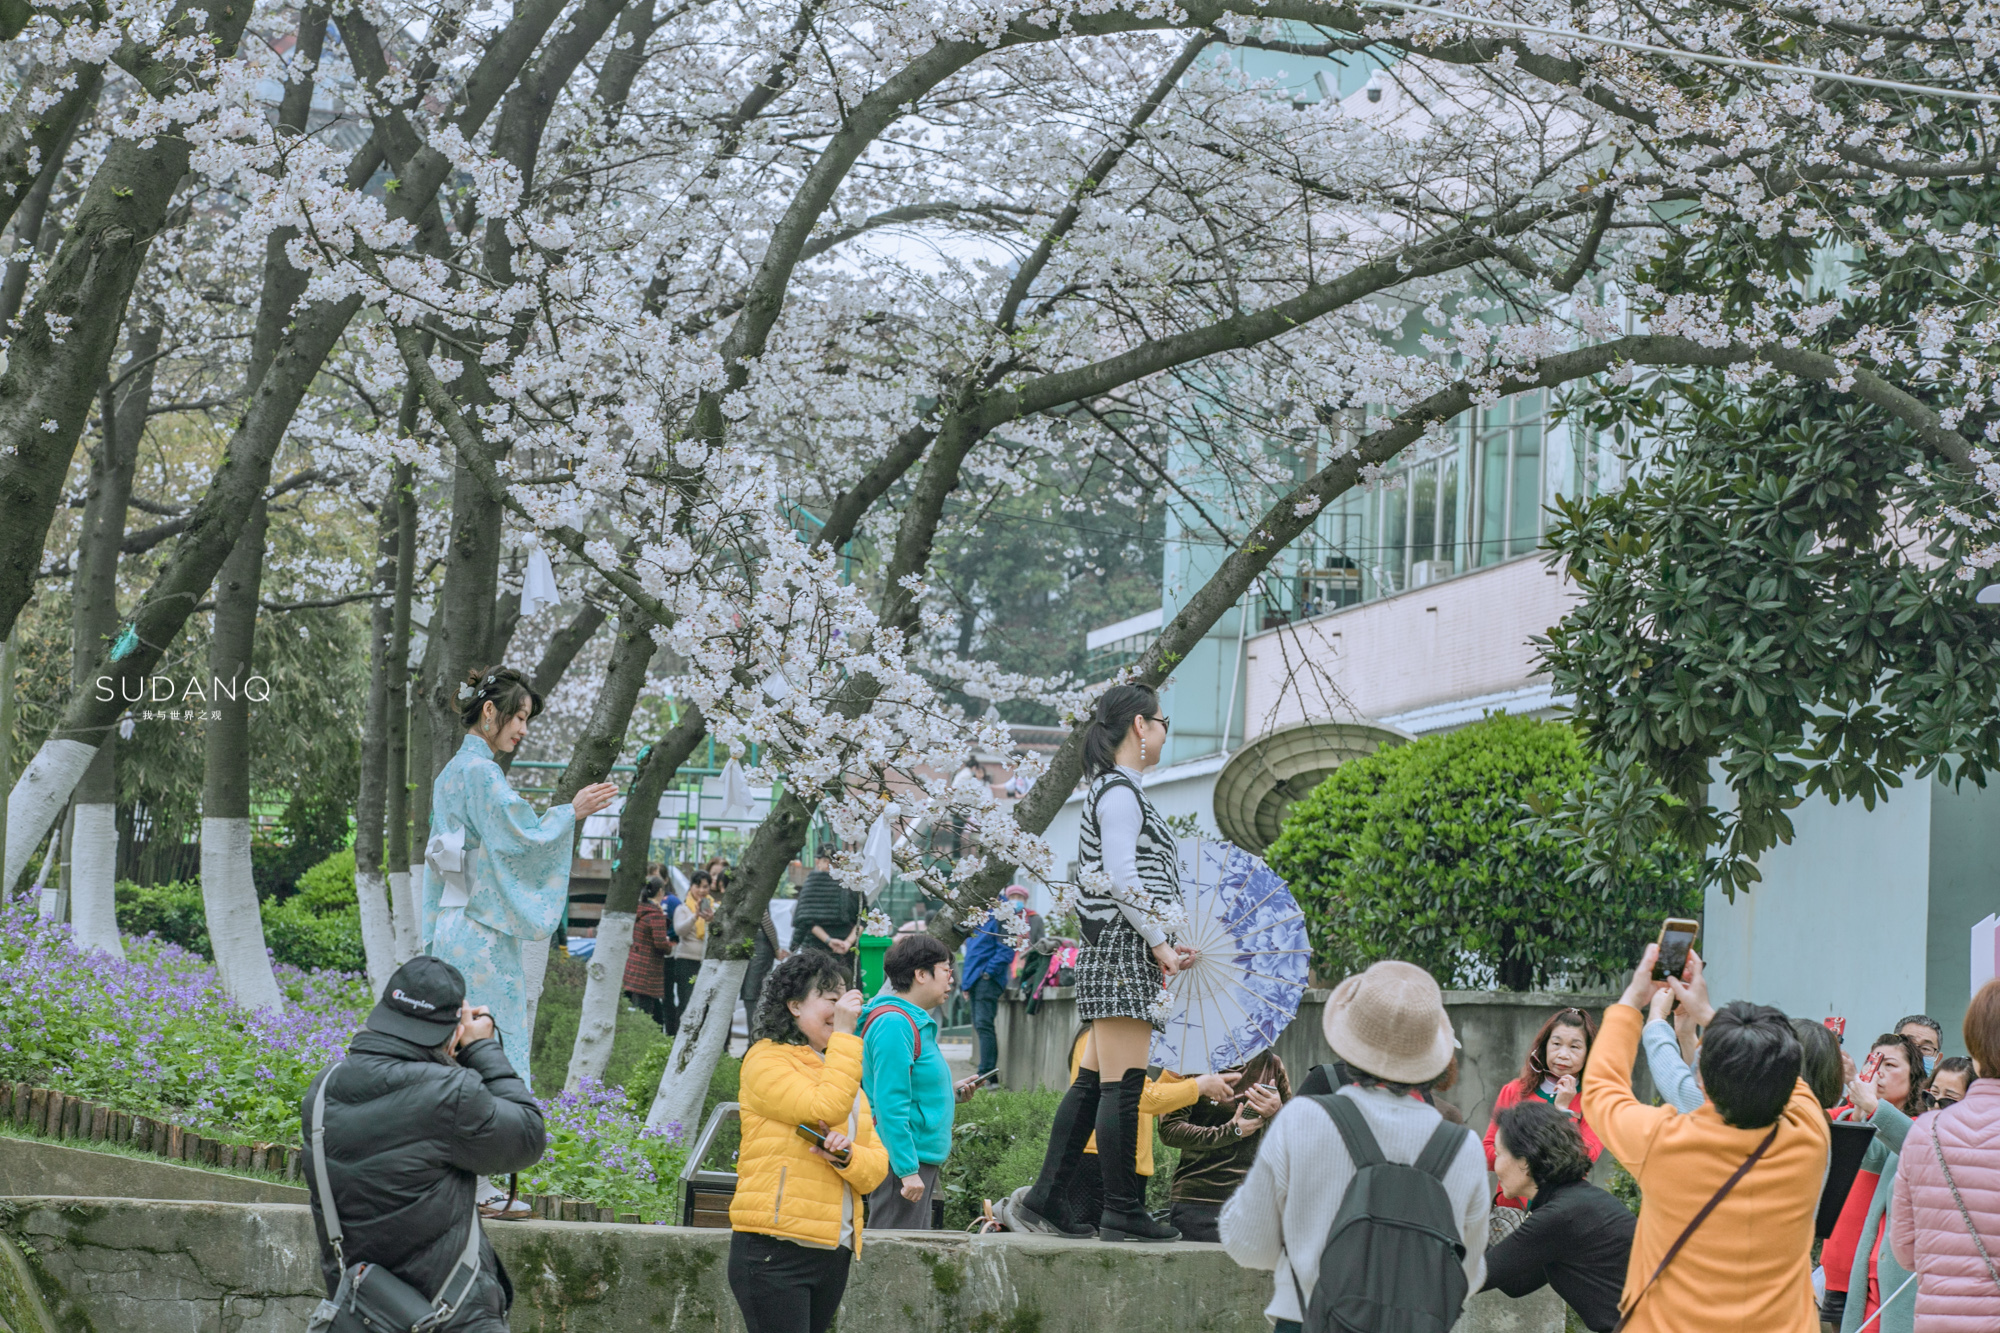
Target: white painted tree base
x,y
93,880
235,930
700,1047
378,937
37,801
534,968
403,913
603,983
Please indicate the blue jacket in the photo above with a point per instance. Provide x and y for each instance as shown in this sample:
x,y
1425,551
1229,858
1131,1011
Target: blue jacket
x,y
911,1095
987,953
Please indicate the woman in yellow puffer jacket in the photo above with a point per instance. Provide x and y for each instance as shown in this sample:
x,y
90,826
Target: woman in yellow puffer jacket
x,y
797,1214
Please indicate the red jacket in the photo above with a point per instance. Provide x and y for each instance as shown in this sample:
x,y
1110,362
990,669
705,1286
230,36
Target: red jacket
x,y
645,970
1510,1092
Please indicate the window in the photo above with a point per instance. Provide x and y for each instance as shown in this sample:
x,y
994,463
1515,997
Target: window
x,y
1478,498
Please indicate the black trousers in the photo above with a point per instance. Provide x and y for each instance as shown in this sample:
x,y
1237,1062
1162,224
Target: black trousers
x,y
650,1005
681,974
1197,1221
783,1287
762,960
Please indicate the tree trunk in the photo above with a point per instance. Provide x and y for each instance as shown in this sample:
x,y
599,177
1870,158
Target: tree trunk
x,y
462,625
605,977
50,103
34,207
506,619
378,940
699,1049
562,649
239,484
284,284
51,377
421,776
93,858
402,902
564,645
228,894
596,750
604,735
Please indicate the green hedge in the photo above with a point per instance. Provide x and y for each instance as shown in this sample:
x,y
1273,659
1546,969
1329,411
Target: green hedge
x,y
317,927
1433,852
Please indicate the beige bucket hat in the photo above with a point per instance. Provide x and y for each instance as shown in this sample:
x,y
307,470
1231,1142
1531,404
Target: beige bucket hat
x,y
1390,1022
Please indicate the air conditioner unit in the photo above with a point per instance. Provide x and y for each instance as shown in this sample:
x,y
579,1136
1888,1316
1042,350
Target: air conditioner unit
x,y
1426,572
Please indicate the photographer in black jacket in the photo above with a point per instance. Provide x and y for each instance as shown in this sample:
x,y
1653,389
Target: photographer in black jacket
x,y
424,1102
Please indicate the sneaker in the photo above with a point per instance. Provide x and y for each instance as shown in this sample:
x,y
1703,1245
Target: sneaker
x,y
517,1211
1017,1216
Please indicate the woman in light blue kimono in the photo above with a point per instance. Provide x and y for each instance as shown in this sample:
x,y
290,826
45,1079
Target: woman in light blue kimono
x,y
496,873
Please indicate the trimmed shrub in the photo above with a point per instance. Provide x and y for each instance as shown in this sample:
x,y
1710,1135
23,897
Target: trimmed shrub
x,y
173,912
309,940
1434,853
317,928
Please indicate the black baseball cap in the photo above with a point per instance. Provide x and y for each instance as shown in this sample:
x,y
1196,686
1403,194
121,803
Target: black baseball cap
x,y
421,1002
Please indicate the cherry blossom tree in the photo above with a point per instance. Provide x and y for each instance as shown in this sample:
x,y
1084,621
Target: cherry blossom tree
x,y
635,284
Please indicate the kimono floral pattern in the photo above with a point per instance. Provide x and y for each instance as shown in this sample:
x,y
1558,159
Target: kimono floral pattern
x,y
518,866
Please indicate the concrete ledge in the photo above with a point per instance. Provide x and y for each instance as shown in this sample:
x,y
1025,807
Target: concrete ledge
x,y
119,1264
29,1167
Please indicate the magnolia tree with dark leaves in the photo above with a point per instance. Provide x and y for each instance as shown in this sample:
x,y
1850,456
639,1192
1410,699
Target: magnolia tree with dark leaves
x,y
1777,599
691,296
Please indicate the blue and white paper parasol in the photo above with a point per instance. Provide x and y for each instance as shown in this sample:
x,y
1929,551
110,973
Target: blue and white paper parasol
x,y
1245,988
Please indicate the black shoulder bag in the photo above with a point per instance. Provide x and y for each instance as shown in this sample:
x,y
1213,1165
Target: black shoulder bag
x,y
370,1298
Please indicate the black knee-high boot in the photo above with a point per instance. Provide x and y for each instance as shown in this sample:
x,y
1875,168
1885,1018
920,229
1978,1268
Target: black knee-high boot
x,y
1041,1209
1125,1216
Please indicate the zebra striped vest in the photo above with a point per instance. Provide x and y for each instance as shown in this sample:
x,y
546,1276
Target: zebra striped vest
x,y
1157,858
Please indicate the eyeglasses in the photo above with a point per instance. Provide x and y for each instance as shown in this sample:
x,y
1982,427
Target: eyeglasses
x,y
1166,723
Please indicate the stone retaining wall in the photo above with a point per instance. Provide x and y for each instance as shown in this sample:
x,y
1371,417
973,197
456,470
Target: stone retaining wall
x,y
31,1168
64,1118
109,1265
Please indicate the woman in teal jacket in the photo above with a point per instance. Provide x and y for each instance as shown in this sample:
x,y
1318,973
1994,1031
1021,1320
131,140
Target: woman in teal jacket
x,y
908,1082
1875,1104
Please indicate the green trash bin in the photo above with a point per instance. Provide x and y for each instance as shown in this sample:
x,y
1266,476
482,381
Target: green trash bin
x,y
871,948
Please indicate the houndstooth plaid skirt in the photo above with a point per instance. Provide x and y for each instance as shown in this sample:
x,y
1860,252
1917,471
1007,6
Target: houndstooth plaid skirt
x,y
1117,977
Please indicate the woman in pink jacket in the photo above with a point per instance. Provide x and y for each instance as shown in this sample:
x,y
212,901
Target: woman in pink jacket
x,y
1944,1218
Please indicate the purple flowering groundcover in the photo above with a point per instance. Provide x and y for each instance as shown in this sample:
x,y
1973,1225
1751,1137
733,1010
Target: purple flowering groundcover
x,y
155,1034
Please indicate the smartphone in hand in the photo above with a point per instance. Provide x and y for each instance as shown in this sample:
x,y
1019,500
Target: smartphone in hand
x,y
1677,936
1252,1113
811,1135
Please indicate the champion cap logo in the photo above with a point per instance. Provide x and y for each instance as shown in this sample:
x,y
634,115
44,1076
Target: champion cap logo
x,y
412,1002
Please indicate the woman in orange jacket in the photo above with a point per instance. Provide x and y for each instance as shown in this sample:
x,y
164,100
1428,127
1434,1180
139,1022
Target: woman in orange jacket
x,y
809,1153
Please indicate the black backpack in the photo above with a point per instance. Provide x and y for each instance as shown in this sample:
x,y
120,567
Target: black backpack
x,y
1394,1260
